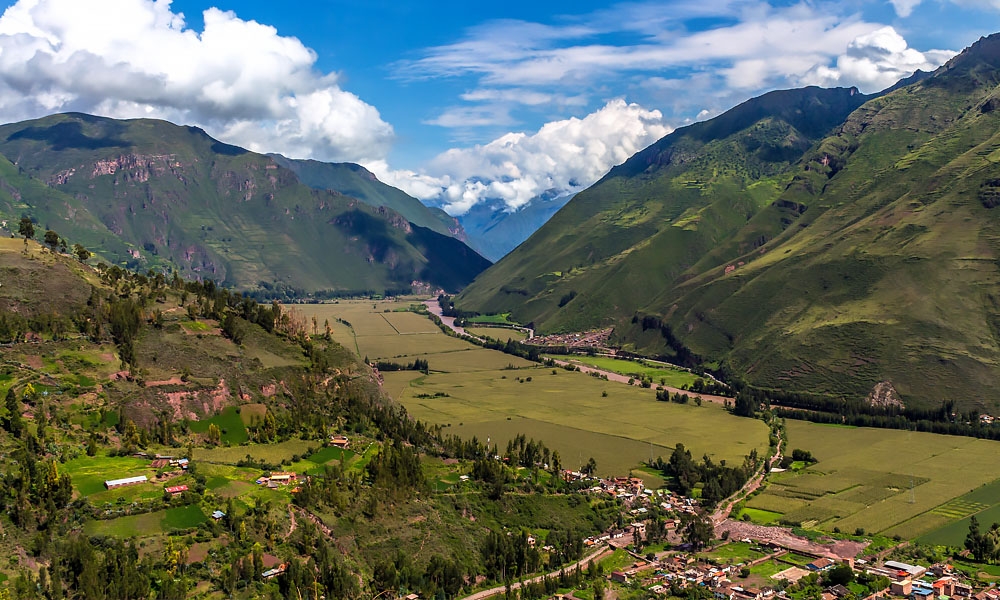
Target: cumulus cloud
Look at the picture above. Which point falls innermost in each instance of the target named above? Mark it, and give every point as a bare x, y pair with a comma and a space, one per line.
238, 79
563, 156
875, 61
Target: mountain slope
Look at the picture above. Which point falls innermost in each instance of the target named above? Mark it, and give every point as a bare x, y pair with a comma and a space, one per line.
877, 260
174, 197
358, 182
631, 234
494, 231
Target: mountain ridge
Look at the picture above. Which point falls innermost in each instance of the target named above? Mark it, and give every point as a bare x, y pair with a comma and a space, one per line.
158, 194
870, 258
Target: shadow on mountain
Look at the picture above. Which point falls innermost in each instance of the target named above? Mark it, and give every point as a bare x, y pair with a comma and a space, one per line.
64, 136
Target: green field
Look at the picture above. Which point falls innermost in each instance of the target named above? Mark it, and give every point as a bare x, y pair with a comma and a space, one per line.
485, 393
498, 333
672, 377
733, 553
230, 423
271, 453
149, 524
886, 481
570, 412
90, 472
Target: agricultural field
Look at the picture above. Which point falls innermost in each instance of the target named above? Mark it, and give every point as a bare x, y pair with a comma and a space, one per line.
498, 333
890, 482
579, 415
485, 393
673, 377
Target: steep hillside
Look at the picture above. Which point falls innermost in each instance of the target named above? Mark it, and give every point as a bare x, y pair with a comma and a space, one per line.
874, 260
630, 235
494, 231
149, 193
358, 182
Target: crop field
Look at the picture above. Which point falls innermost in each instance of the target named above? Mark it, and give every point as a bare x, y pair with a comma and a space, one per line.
567, 410
229, 422
271, 453
498, 333
90, 472
485, 393
911, 483
149, 524
670, 376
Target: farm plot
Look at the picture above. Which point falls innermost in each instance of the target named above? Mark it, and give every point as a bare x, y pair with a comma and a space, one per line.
560, 406
673, 377
907, 486
498, 333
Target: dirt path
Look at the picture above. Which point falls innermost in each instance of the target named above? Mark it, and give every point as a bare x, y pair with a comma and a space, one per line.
595, 556
721, 514
291, 527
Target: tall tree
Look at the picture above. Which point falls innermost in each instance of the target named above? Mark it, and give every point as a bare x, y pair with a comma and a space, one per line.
26, 229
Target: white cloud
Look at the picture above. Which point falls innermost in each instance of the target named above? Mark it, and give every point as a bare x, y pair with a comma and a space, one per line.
875, 61
904, 8
238, 79
564, 156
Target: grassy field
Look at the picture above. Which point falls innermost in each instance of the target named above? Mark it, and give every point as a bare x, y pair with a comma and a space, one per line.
229, 422
149, 524
571, 412
886, 481
90, 472
485, 393
271, 453
498, 333
660, 373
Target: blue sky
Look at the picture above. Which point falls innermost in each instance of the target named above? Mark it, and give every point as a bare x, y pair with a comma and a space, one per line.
458, 102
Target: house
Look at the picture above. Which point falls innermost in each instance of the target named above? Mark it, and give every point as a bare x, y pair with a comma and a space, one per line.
914, 571
820, 564
272, 573
901, 588
944, 586
283, 477
218, 515
619, 577
117, 483
339, 441
839, 591
175, 490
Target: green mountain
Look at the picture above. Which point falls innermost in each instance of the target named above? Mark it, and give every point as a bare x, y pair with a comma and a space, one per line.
358, 182
804, 240
149, 193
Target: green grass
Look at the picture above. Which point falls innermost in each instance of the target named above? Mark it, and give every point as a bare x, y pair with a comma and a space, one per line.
500, 318
767, 568
733, 553
183, 517
672, 377
90, 472
571, 413
757, 515
230, 423
498, 333
863, 480
271, 453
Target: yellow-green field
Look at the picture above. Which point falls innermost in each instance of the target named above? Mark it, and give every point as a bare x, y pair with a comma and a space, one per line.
485, 393
880, 480
498, 333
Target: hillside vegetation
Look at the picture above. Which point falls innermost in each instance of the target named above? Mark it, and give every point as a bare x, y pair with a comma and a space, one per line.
147, 193
808, 240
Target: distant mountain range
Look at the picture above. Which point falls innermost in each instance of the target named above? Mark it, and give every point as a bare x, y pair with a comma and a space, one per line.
149, 193
494, 230
809, 240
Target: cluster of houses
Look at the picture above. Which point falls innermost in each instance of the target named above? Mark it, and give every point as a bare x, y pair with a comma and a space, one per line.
278, 479
913, 582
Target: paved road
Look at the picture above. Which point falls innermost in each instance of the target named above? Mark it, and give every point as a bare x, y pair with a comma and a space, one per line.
596, 555
435, 308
